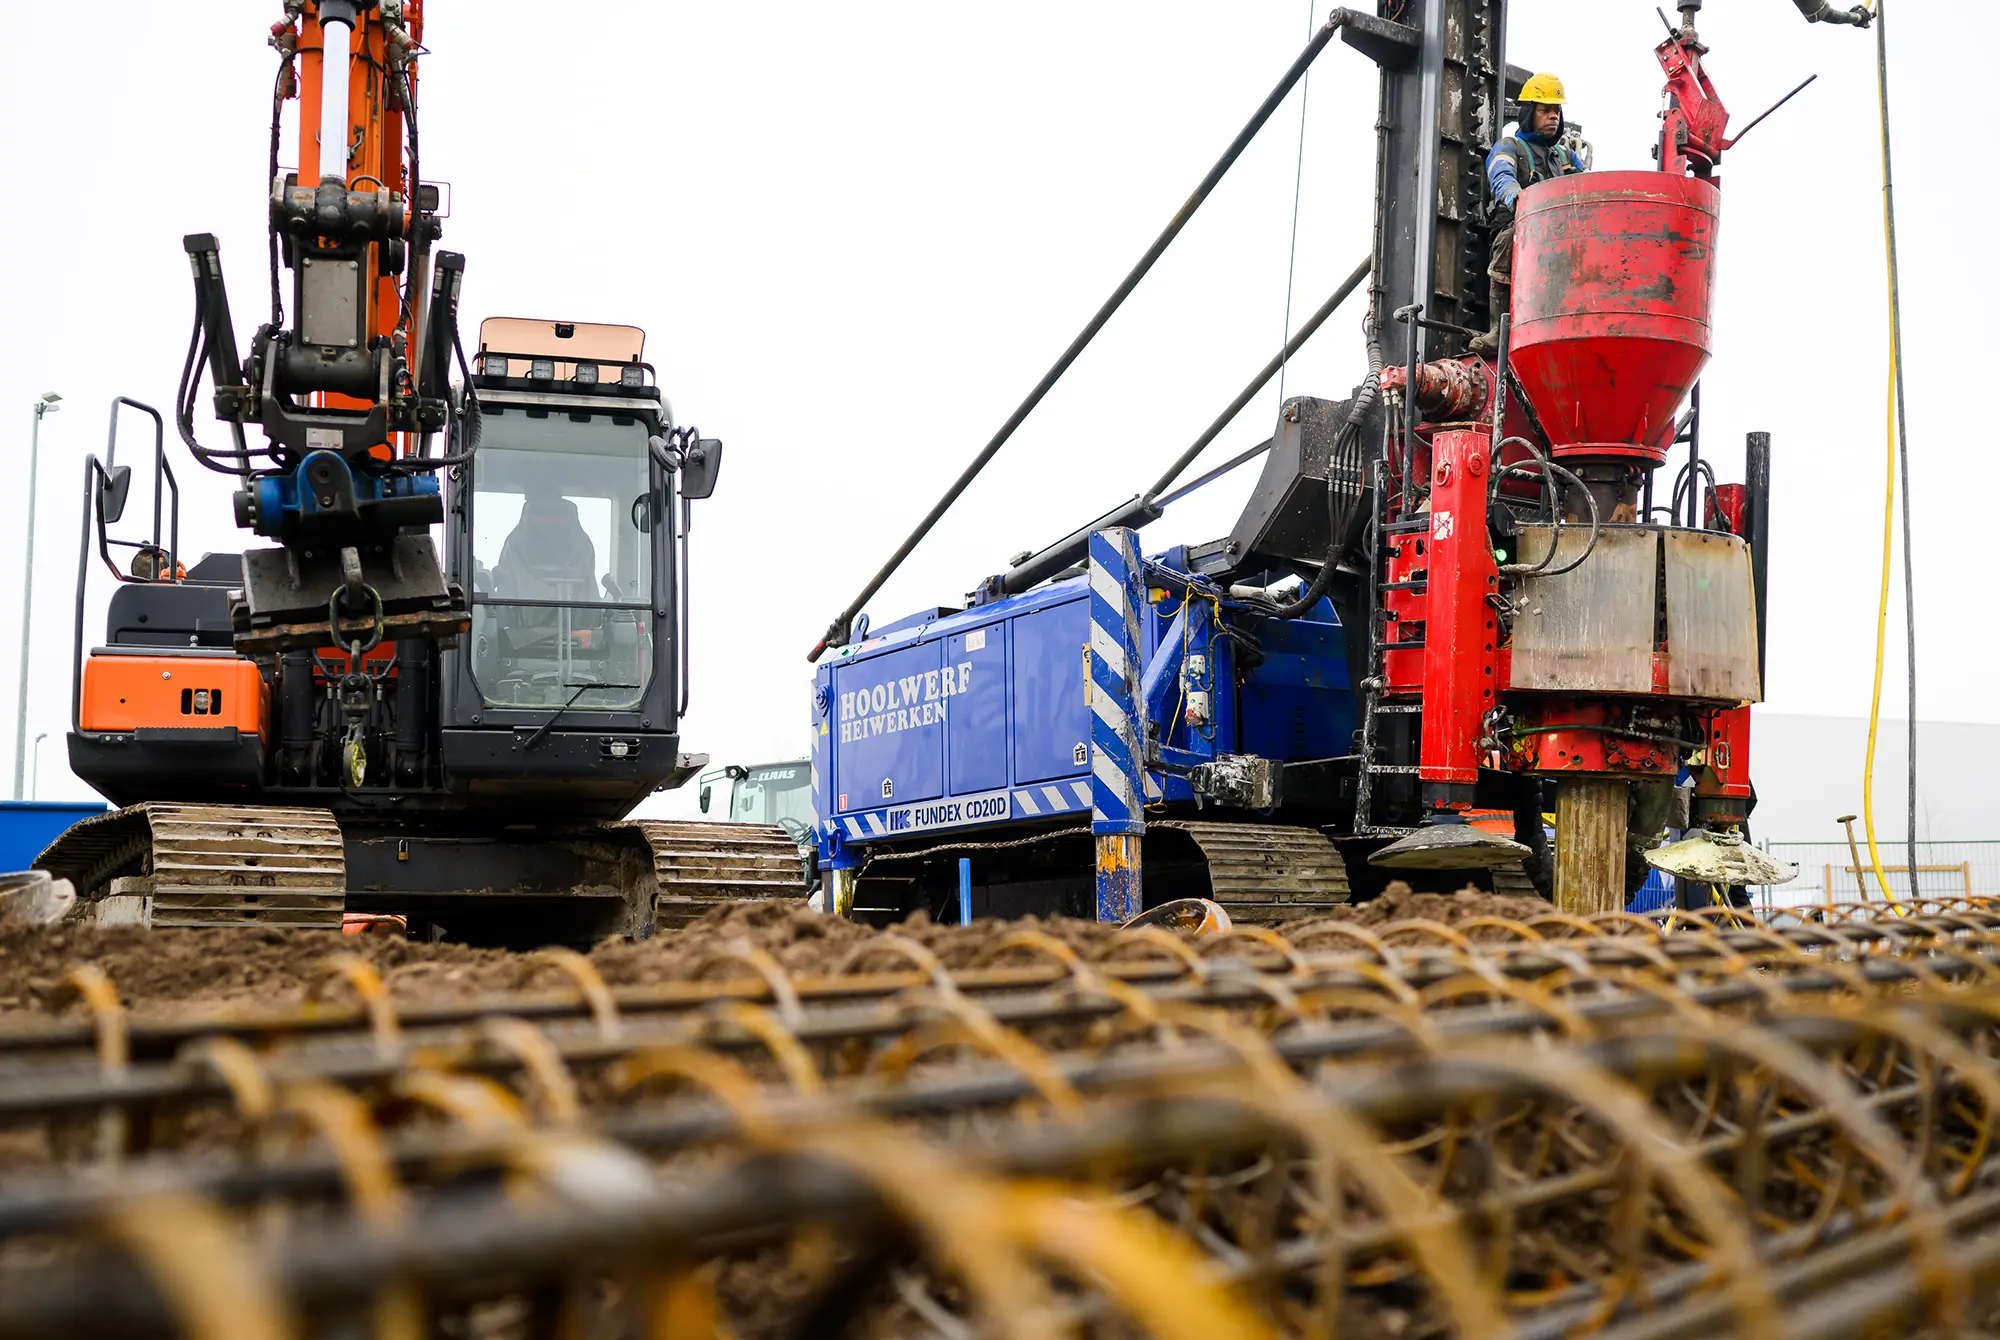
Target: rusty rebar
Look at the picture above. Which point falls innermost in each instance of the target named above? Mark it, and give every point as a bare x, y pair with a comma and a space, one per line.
1601, 1124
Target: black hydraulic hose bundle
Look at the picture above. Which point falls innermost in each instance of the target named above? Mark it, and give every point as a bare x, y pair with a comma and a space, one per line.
1316, 589
184, 404
183, 392
468, 411
1550, 469
1686, 482
475, 420
414, 288
838, 629
1343, 462
278, 94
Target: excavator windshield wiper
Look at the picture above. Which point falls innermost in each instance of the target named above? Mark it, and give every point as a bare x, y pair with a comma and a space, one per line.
541, 731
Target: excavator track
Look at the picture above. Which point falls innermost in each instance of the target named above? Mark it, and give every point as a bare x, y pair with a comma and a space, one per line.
1268, 873
222, 865
701, 866
210, 865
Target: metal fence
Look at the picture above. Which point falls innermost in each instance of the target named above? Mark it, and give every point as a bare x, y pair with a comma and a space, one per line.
1827, 871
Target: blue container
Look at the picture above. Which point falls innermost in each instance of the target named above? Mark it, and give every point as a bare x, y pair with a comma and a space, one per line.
27, 827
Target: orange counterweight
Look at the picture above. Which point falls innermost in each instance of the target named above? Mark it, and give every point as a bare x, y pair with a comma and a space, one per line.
125, 693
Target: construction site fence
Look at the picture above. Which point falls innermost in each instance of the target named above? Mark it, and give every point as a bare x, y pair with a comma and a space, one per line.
1827, 872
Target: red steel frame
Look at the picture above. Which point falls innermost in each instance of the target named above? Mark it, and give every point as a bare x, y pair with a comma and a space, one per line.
1441, 584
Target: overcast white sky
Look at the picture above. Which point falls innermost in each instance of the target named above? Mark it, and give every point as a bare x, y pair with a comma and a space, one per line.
857, 234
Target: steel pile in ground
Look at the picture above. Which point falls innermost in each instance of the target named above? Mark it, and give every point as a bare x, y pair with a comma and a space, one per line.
1552, 1127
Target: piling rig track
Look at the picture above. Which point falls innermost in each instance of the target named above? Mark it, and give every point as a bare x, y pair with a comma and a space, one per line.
1266, 874
1543, 1128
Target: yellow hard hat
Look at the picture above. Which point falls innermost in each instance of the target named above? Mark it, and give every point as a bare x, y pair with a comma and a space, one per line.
1544, 88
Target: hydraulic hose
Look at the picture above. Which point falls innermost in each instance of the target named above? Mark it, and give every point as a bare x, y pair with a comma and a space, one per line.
1686, 482
271, 176
468, 439
1548, 477
416, 286
1821, 11
1542, 569
184, 404
1323, 579
1345, 451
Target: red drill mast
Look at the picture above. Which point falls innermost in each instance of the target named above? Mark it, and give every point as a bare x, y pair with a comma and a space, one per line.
1543, 614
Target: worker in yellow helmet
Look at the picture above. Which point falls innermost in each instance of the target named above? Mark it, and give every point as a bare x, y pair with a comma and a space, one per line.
1533, 153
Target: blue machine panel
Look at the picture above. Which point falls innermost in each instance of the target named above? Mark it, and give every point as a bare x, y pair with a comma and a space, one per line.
889, 715
1297, 703
977, 659
1051, 726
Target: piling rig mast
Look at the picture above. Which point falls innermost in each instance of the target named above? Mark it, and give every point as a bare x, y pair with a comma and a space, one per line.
1526, 610
1563, 630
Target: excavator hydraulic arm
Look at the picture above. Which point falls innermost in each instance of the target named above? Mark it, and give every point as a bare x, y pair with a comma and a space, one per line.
349, 393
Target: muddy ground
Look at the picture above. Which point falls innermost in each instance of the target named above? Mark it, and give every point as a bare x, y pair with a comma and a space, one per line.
161, 973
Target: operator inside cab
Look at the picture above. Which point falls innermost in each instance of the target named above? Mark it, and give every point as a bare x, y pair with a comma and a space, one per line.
548, 555
1533, 153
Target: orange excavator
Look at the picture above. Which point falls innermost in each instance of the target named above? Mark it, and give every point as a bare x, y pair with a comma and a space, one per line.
352, 722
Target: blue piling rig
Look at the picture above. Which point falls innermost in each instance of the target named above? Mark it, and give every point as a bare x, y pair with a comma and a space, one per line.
1238, 710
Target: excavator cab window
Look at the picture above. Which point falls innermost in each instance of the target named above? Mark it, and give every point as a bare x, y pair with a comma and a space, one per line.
563, 576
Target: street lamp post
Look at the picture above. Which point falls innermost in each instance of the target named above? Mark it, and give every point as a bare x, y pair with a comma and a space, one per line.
45, 405
35, 777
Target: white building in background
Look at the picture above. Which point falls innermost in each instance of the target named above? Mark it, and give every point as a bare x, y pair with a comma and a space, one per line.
1808, 773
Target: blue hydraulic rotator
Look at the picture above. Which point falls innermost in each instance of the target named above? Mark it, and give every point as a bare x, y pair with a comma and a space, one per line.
324, 497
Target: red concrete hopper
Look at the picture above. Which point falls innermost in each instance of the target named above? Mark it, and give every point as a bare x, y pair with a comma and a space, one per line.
1613, 273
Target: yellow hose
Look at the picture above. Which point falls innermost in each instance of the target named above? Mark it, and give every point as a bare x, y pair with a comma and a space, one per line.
1888, 509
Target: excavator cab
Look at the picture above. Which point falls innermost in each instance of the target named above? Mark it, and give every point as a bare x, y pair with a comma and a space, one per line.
473, 784
565, 523
567, 526
560, 519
